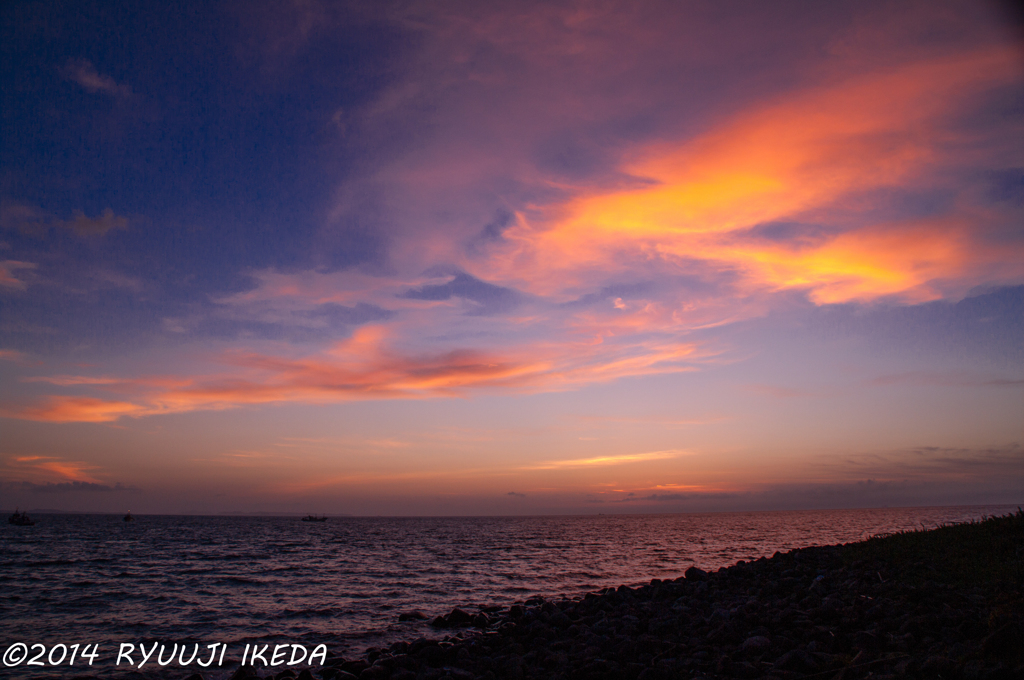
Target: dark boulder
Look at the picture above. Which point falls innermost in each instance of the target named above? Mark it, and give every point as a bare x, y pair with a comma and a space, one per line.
243, 672
412, 616
695, 574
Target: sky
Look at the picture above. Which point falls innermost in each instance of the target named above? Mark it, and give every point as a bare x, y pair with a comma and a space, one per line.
462, 258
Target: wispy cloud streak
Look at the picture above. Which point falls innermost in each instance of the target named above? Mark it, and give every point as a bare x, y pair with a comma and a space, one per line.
361, 367
600, 461
83, 72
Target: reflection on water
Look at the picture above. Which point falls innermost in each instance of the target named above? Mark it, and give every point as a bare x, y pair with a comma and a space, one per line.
97, 579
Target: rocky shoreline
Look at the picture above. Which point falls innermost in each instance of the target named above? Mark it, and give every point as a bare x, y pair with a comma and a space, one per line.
945, 603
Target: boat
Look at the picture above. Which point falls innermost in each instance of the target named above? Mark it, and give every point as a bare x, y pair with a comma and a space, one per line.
20, 519
128, 517
314, 518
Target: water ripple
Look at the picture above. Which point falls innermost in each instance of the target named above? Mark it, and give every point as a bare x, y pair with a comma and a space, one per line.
95, 579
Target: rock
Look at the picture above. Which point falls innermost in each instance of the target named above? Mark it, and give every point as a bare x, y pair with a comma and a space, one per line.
796, 660
695, 574
1007, 642
757, 644
375, 672
354, 667
431, 654
402, 674
460, 674
973, 669
720, 616
244, 672
937, 666
412, 616
457, 617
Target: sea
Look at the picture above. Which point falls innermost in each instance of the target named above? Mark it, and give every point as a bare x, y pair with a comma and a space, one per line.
98, 580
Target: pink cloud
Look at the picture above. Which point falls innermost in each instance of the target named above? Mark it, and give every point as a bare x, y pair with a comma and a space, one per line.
65, 409
362, 368
52, 468
8, 278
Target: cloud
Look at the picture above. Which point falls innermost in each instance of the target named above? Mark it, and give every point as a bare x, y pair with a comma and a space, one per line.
780, 392
298, 307
553, 197
652, 420
883, 111
932, 463
359, 368
37, 222
67, 409
97, 226
25, 218
494, 229
50, 466
591, 189
675, 497
349, 316
77, 471
490, 299
83, 72
299, 322
66, 380
944, 379
67, 487
600, 461
738, 197
924, 475
8, 279
13, 355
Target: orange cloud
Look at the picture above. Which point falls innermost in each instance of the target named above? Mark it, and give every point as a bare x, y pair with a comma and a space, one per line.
600, 461
65, 409
803, 154
363, 367
73, 471
67, 380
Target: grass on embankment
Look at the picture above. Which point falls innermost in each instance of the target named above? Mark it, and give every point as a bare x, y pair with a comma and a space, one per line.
987, 553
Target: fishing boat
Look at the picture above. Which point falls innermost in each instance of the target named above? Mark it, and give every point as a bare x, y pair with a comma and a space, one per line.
20, 519
128, 517
314, 518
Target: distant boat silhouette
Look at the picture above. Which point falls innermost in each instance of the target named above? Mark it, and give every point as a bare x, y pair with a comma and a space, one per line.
128, 517
314, 518
20, 519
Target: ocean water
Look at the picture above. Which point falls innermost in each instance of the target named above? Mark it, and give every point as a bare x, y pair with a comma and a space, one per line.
94, 579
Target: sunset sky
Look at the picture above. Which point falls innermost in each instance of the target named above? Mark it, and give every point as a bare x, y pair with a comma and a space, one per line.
398, 258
